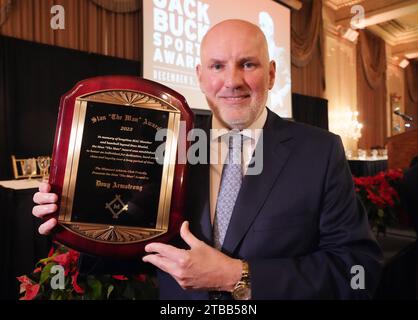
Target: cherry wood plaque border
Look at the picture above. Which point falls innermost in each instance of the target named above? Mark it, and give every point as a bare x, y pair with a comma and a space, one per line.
166, 96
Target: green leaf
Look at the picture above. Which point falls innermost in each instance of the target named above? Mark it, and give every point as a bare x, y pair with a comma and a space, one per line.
96, 287
56, 295
46, 273
48, 259
110, 290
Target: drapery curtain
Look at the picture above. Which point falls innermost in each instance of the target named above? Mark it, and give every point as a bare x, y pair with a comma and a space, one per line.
372, 58
88, 26
122, 6
7, 77
5, 8
308, 73
411, 92
371, 89
411, 80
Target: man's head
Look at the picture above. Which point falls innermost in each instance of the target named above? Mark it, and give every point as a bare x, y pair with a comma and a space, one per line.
235, 72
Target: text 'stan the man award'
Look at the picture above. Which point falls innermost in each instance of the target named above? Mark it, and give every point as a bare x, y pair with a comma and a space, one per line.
119, 182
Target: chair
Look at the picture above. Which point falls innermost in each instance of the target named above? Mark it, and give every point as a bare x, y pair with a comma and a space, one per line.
25, 168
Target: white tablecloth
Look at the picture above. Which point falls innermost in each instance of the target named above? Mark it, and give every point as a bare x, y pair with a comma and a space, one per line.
368, 158
20, 184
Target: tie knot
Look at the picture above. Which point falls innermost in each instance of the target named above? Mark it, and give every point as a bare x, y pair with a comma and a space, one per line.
235, 147
235, 140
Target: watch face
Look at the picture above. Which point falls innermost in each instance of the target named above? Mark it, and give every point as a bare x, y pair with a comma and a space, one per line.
242, 292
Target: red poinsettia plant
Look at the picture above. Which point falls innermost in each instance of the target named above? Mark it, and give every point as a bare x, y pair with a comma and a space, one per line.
38, 285
380, 196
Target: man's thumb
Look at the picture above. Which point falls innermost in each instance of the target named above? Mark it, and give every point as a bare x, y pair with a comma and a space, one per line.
187, 236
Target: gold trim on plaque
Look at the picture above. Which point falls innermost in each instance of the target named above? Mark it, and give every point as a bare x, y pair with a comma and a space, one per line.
115, 233
130, 98
171, 164
76, 157
165, 193
66, 203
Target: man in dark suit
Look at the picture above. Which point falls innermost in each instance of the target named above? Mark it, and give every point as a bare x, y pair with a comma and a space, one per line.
293, 230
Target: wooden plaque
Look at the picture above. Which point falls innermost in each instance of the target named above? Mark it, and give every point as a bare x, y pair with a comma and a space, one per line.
115, 167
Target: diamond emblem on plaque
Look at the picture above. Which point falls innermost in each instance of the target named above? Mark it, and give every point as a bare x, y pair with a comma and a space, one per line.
116, 207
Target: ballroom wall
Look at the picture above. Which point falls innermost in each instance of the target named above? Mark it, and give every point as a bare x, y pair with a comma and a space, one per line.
308, 74
341, 92
345, 76
411, 91
323, 63
395, 86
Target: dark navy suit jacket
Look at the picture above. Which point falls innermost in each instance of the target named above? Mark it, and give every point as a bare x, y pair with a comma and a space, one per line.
299, 223
409, 187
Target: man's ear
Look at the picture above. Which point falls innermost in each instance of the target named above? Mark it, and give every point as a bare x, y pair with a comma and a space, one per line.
272, 73
199, 75
198, 71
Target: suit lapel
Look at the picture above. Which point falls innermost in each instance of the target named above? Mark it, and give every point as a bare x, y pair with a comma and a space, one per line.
204, 229
256, 188
200, 223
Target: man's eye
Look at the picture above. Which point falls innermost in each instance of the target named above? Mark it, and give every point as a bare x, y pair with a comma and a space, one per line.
248, 65
216, 66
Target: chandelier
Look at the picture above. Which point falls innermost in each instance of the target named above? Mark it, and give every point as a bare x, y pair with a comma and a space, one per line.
350, 127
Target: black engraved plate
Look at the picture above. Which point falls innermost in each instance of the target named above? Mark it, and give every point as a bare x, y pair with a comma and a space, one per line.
119, 179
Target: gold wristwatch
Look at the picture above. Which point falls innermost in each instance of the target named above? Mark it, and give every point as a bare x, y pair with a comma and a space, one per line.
242, 290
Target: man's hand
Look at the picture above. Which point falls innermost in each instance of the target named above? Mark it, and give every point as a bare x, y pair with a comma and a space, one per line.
46, 206
201, 267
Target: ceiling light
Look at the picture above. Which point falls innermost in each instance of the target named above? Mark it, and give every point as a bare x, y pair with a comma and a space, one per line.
404, 63
412, 55
350, 35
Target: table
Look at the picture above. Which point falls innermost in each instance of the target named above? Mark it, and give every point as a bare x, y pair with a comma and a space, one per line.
20, 184
20, 244
368, 167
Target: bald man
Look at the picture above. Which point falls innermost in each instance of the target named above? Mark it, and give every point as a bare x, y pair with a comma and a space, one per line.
294, 230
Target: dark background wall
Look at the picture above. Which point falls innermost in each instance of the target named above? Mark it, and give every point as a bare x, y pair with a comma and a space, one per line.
33, 77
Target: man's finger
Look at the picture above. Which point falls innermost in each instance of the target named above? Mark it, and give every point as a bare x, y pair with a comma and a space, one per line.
187, 236
43, 210
165, 250
46, 227
44, 198
44, 187
160, 262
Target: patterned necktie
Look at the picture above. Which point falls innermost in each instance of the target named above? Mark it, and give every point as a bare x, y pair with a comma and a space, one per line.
228, 191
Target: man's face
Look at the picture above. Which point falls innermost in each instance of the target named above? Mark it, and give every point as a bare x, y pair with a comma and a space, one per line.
235, 73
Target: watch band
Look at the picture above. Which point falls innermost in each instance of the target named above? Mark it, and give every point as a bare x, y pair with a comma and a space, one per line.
242, 289
245, 274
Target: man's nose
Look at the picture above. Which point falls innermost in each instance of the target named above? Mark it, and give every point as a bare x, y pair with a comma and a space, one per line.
233, 78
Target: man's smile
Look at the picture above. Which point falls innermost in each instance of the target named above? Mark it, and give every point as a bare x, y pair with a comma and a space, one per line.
235, 99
